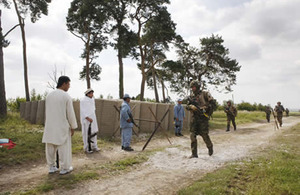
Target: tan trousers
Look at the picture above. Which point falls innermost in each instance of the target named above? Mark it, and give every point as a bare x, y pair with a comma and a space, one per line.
64, 153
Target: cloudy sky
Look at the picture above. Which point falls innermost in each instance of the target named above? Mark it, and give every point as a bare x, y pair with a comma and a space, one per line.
262, 35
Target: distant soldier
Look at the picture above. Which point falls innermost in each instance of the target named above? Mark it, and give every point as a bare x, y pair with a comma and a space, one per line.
279, 109
268, 112
287, 111
231, 113
126, 123
200, 103
179, 115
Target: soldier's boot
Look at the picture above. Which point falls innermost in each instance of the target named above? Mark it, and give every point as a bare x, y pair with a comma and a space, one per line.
210, 150
193, 156
234, 127
228, 128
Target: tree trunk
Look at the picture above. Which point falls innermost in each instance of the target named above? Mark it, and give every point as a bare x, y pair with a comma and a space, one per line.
87, 61
143, 74
154, 85
143, 86
3, 106
22, 27
142, 53
121, 75
154, 76
163, 90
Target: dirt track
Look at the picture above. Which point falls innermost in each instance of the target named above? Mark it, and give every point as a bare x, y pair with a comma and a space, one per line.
166, 171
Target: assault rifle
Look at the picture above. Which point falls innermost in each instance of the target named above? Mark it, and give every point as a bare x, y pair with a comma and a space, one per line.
132, 120
227, 110
200, 110
275, 119
90, 136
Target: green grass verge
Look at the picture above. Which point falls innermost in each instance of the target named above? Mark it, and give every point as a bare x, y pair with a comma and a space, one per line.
219, 119
28, 139
275, 171
294, 114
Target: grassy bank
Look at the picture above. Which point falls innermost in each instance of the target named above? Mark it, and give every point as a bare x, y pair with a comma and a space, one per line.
219, 119
28, 139
274, 171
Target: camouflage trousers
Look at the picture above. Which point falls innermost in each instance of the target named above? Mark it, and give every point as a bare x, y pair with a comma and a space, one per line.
199, 126
231, 118
268, 117
279, 118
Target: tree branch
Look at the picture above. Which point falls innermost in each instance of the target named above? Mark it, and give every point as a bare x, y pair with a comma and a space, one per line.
11, 30
78, 36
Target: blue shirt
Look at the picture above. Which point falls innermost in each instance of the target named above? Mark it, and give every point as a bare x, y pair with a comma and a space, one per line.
179, 112
124, 116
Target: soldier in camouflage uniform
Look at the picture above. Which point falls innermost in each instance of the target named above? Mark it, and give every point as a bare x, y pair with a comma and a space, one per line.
279, 109
199, 104
268, 112
231, 113
287, 111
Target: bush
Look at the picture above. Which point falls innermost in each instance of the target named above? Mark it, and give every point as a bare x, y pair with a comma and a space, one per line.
251, 107
13, 105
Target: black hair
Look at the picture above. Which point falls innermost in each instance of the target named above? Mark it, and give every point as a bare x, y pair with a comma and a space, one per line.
62, 80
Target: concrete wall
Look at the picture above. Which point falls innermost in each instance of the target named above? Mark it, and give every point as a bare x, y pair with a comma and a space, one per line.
108, 118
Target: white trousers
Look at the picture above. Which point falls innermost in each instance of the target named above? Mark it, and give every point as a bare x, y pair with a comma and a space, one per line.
84, 128
64, 153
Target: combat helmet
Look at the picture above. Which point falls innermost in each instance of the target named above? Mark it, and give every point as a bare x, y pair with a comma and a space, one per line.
195, 83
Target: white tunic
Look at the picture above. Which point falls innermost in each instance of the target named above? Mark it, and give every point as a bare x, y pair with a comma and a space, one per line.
88, 109
60, 117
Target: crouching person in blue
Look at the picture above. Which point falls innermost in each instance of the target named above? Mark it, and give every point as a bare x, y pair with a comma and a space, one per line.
126, 124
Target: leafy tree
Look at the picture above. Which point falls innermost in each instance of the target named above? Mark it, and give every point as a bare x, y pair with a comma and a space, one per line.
210, 64
87, 20
22, 7
95, 71
245, 106
155, 31
126, 39
154, 74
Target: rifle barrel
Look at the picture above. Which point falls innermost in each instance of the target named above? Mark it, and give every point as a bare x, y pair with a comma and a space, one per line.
147, 120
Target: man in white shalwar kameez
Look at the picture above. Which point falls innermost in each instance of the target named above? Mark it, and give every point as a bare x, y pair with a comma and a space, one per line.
87, 117
59, 127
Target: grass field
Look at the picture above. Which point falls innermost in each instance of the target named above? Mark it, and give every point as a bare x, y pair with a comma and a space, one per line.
28, 138
274, 171
219, 119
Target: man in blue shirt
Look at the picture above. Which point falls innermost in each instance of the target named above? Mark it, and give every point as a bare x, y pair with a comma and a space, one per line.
126, 124
179, 115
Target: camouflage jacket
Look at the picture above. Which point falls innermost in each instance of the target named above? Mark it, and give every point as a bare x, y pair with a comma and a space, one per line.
202, 100
279, 109
231, 110
268, 110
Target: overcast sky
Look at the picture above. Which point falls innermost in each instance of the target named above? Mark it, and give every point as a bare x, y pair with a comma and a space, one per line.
262, 35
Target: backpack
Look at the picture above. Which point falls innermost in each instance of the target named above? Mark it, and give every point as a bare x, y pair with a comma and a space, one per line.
212, 107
